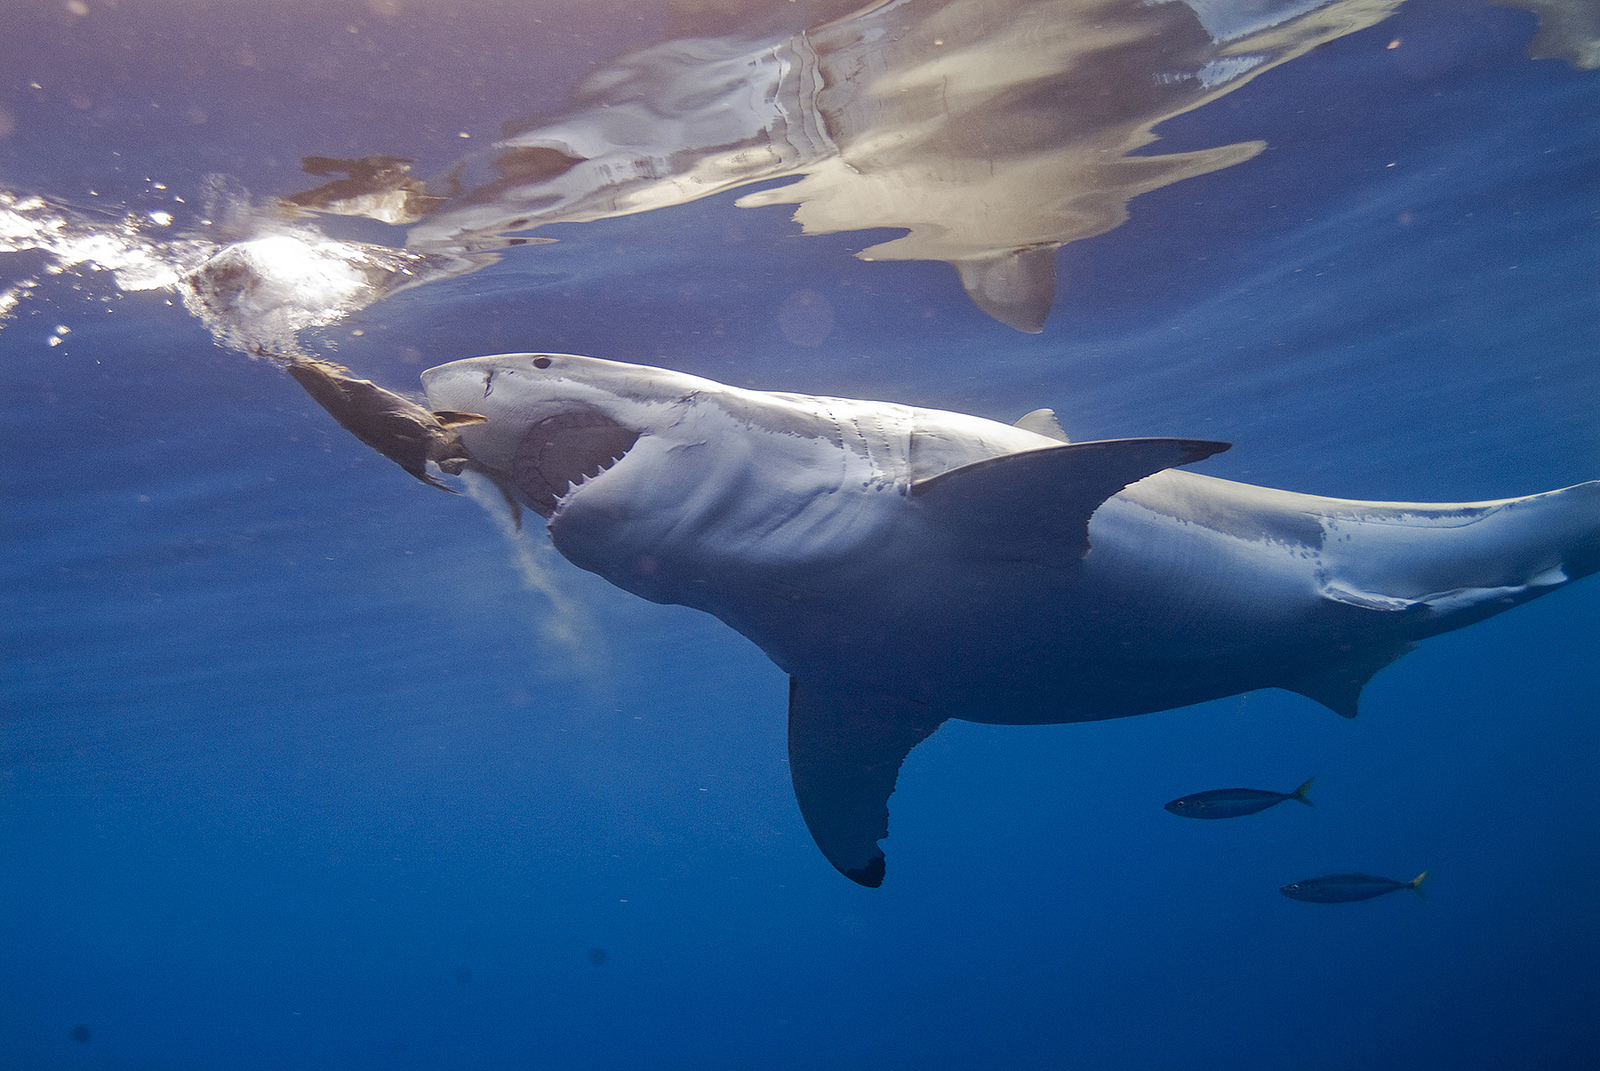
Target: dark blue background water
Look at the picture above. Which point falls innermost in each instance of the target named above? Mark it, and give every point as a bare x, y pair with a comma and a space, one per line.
295, 773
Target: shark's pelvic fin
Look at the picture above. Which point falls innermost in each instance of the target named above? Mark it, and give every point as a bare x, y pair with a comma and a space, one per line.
1339, 688
1035, 506
845, 752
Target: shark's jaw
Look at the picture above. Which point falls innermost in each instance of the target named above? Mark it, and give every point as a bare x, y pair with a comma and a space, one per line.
562, 452
552, 425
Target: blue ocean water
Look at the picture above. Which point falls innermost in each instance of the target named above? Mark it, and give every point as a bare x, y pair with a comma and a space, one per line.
304, 764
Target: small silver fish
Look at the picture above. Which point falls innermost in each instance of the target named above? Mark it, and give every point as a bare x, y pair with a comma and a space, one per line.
1343, 888
1233, 802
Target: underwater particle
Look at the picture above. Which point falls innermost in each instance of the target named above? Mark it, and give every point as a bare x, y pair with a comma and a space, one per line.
598, 956
81, 1034
1235, 802
1346, 888
806, 318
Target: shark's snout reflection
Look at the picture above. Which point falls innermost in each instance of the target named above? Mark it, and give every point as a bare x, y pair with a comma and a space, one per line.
992, 131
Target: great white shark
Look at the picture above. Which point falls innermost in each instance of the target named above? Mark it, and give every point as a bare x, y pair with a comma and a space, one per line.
906, 566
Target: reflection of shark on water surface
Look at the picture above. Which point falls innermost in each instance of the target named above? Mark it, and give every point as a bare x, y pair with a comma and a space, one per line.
907, 566
992, 131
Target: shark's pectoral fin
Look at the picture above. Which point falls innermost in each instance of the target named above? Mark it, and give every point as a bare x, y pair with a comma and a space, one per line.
1035, 505
845, 752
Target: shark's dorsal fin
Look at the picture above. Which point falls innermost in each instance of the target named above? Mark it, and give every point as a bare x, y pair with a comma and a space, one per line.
845, 751
1035, 505
1042, 422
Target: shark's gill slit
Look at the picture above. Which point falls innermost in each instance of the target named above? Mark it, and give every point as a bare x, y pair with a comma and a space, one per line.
564, 450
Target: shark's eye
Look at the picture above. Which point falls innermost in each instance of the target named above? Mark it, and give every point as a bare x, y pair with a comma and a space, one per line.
541, 362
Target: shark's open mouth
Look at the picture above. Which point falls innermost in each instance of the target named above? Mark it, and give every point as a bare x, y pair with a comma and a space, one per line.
561, 451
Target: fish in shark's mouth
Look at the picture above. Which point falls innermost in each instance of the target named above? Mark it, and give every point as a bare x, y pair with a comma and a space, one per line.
562, 451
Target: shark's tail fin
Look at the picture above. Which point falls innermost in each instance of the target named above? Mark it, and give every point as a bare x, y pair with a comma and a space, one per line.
1300, 793
1415, 884
1435, 567
1458, 563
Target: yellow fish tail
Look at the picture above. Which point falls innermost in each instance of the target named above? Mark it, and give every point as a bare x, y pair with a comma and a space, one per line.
1300, 793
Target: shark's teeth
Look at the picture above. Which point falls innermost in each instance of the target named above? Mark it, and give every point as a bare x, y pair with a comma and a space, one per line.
561, 453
